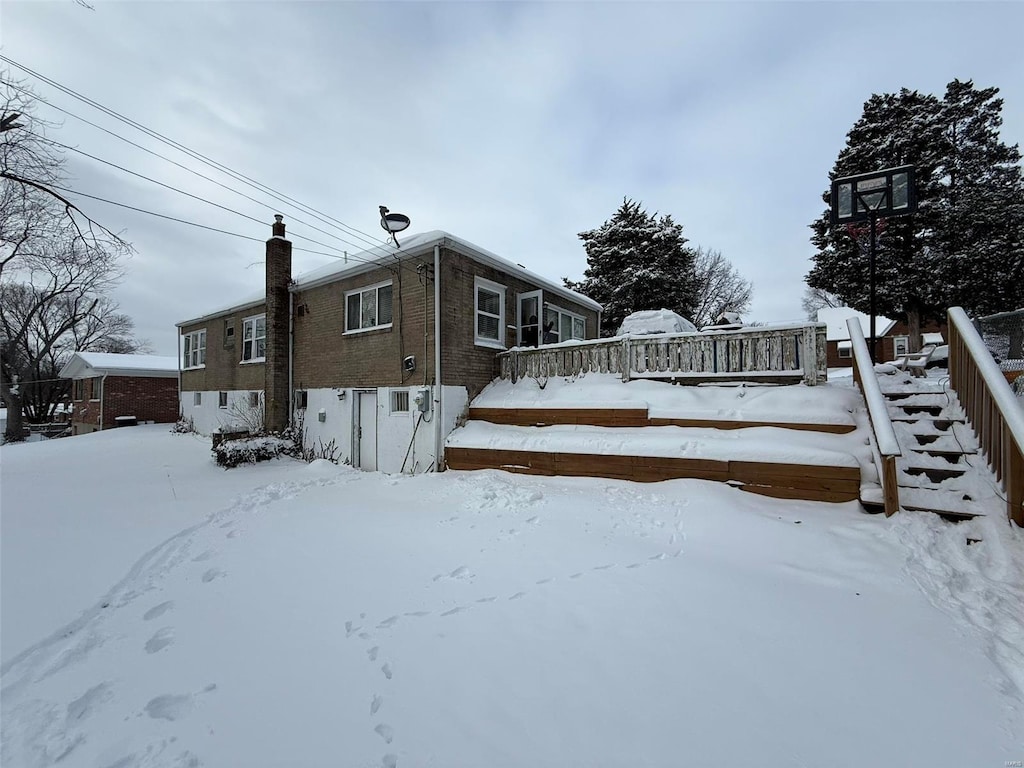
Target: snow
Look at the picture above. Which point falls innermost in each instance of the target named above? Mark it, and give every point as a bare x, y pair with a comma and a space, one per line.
835, 323
655, 321
823, 404
165, 612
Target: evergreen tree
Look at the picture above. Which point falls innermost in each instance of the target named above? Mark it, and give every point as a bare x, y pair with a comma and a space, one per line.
964, 244
637, 261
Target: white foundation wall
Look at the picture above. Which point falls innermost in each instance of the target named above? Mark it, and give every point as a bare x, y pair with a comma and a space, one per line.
403, 438
208, 416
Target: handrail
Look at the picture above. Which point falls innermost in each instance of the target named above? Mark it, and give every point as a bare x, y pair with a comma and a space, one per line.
991, 408
878, 413
785, 352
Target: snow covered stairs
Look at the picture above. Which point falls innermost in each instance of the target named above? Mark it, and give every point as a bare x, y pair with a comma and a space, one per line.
939, 470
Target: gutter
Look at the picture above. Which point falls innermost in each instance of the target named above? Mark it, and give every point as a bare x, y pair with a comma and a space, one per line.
439, 400
103, 397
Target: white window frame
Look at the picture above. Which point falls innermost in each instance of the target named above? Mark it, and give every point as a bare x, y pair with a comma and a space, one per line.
249, 346
898, 341
559, 312
359, 292
845, 353
222, 399
498, 288
193, 348
395, 400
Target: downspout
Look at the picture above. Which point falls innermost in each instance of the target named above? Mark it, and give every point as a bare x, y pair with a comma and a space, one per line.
438, 415
103, 397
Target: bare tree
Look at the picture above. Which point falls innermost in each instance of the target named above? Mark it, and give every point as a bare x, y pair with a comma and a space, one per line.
56, 264
818, 298
720, 287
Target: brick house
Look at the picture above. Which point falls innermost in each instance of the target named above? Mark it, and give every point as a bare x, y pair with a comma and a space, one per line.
893, 335
376, 357
106, 386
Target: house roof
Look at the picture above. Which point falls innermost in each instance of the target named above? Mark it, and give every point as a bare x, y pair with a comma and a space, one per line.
413, 246
85, 365
836, 329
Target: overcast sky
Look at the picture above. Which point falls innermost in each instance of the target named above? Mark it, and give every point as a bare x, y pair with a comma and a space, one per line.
513, 125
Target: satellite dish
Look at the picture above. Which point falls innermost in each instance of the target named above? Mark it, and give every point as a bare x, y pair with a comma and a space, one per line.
393, 222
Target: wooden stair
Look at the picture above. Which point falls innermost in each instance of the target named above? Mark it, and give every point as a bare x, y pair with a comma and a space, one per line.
813, 482
933, 474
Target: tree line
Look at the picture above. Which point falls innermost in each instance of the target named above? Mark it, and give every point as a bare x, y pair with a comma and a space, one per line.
57, 268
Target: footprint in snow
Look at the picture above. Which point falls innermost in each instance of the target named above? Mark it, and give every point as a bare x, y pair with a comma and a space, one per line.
487, 599
87, 703
575, 575
634, 565
659, 556
418, 614
372, 653
170, 706
388, 622
386, 732
233, 534
213, 573
163, 637
548, 580
350, 629
203, 556
456, 609
157, 610
375, 704
389, 761
517, 596
386, 669
603, 567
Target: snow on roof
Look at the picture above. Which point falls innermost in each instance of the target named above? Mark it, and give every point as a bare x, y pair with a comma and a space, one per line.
83, 365
415, 245
835, 321
251, 300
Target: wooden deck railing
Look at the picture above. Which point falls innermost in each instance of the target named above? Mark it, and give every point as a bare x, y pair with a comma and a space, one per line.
881, 425
783, 353
991, 408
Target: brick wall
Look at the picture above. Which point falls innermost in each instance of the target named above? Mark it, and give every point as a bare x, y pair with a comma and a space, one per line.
462, 361
224, 370
327, 356
279, 277
148, 398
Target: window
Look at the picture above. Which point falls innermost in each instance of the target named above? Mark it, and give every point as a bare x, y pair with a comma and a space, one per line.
490, 313
222, 399
197, 399
301, 399
399, 401
254, 399
195, 349
845, 349
368, 308
900, 346
254, 339
560, 325
79, 390
97, 388
229, 333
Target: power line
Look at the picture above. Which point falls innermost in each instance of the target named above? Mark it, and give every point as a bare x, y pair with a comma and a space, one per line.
327, 219
177, 164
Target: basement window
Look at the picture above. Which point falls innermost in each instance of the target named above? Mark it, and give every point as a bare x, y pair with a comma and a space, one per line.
222, 399
399, 401
197, 399
254, 399
845, 349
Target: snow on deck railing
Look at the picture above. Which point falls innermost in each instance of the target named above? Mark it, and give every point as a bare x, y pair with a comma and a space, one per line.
793, 351
991, 407
878, 412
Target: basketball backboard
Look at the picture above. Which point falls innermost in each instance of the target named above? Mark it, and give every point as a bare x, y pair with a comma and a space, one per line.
889, 192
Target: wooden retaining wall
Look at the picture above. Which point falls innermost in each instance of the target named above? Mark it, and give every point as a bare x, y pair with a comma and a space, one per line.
787, 481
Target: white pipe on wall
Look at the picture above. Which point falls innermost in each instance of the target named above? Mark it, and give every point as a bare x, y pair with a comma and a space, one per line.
438, 387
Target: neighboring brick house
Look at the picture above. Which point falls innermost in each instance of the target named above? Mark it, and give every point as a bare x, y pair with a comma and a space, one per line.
893, 335
106, 386
350, 351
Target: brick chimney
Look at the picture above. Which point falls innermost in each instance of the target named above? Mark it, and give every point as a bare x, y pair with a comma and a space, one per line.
279, 276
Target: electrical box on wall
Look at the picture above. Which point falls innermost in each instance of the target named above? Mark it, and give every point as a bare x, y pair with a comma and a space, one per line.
422, 400
321, 415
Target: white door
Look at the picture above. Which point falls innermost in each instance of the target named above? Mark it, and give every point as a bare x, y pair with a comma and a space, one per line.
366, 431
528, 318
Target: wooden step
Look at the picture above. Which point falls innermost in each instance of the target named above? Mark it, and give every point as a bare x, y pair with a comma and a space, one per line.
951, 505
934, 474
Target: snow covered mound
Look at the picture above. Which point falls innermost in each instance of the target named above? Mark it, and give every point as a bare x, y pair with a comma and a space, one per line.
655, 321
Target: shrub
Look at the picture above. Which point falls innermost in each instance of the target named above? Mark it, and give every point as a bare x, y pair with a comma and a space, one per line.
249, 450
184, 426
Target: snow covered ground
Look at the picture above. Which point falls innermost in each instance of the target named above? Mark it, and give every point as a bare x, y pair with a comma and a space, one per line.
160, 611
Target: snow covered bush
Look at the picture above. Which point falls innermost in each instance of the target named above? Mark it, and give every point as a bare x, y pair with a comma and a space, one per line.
184, 426
250, 450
